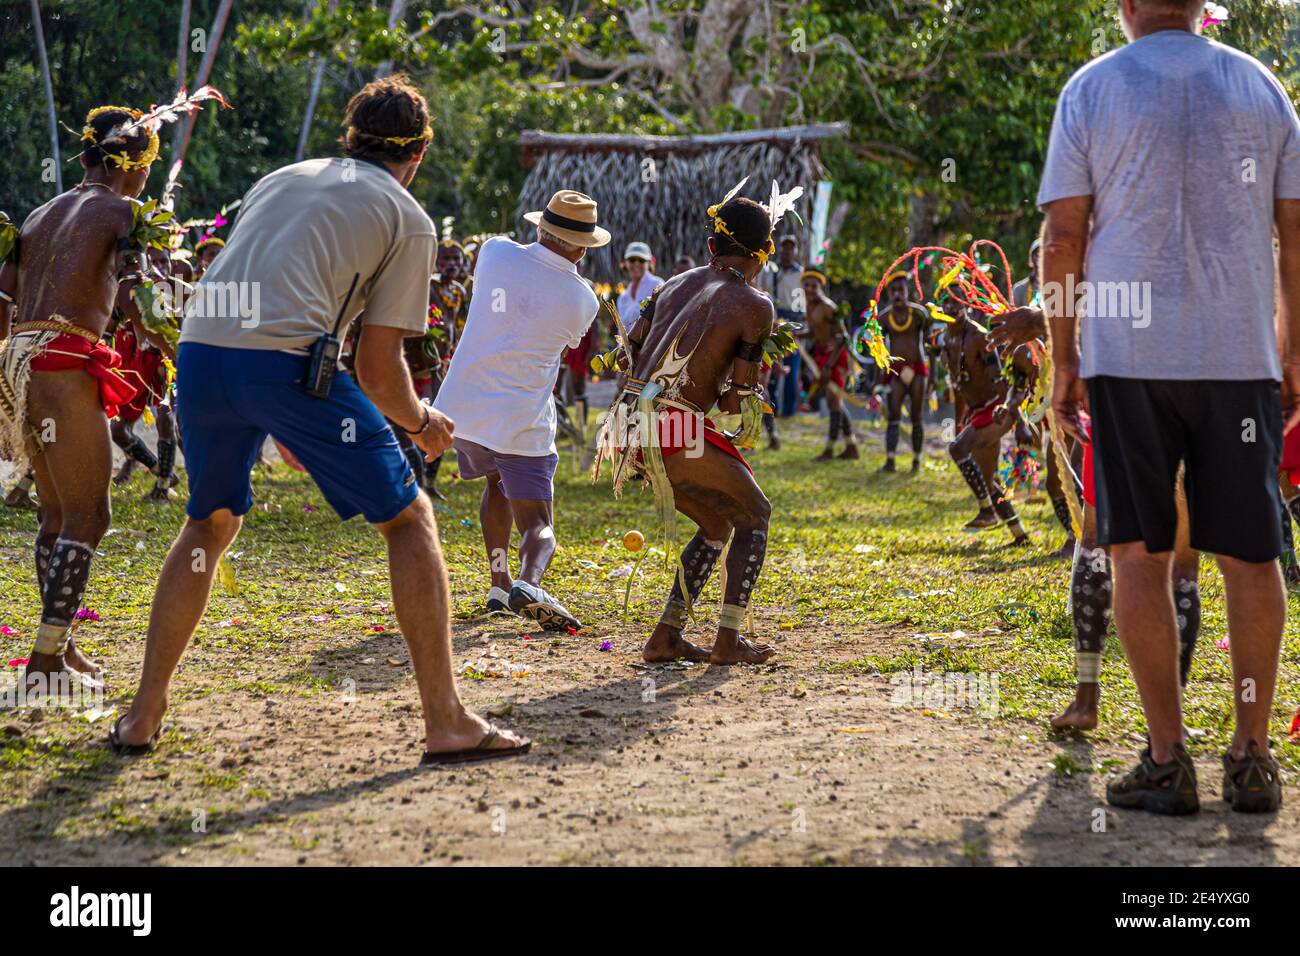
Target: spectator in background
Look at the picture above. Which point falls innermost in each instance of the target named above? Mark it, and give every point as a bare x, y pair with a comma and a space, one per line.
782, 282
641, 281
684, 264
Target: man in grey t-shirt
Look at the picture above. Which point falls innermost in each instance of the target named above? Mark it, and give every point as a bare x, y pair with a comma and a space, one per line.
315, 243
1171, 161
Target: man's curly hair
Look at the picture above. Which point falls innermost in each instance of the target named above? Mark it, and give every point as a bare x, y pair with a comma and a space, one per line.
389, 107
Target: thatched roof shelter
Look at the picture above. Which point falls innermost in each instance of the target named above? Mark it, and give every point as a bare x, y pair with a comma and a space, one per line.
655, 188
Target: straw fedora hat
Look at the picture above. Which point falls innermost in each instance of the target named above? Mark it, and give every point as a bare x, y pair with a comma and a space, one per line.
571, 216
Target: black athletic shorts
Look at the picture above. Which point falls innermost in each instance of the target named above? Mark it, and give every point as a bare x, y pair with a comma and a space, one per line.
1230, 436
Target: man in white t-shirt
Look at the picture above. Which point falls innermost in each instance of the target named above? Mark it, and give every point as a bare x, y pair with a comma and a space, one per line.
529, 305
640, 282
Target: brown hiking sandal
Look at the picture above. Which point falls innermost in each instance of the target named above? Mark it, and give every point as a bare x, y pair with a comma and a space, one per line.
1168, 788
1252, 784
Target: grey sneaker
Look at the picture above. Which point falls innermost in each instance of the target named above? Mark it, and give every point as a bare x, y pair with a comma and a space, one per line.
1168, 788
1252, 784
535, 604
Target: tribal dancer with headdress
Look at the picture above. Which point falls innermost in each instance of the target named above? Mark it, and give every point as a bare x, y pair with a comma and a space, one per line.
148, 362
904, 324
59, 384
208, 248
829, 362
448, 306
992, 393
698, 344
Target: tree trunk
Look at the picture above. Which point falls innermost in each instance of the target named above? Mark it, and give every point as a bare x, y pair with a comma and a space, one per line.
182, 66
923, 217
205, 70
310, 112
396, 13
49, 95
307, 115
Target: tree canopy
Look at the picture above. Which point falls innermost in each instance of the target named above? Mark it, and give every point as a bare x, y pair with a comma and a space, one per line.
949, 101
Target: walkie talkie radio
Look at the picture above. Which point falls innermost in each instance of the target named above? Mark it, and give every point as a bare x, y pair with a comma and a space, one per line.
325, 353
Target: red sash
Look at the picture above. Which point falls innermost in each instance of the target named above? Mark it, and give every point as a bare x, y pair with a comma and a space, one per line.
96, 359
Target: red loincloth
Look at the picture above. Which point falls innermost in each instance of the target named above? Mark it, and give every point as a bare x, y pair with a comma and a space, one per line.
898, 364
143, 368
678, 428
94, 358
982, 416
821, 355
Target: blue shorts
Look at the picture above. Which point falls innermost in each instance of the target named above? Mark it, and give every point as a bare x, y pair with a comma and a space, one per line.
229, 400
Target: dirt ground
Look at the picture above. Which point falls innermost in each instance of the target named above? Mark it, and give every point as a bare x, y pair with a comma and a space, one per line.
789, 763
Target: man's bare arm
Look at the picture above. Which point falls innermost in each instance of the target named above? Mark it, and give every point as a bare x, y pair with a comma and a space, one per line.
381, 372
1287, 216
1065, 246
745, 371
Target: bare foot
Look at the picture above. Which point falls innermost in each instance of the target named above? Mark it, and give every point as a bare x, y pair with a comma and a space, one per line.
1066, 550
731, 648
850, 453
124, 473
159, 494
134, 730
1022, 541
987, 518
48, 676
667, 644
1082, 712
467, 732
888, 465
80, 662
19, 498
826, 455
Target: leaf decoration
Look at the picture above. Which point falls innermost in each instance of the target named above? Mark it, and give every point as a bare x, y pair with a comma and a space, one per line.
8, 237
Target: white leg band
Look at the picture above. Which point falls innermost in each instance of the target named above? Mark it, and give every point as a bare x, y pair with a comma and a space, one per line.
1087, 667
51, 639
732, 617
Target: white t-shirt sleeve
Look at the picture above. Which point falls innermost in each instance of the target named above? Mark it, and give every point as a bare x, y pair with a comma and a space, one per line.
1067, 171
589, 306
399, 295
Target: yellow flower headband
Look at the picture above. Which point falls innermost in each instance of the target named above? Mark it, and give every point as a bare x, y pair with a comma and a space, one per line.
777, 206
397, 140
721, 227
122, 160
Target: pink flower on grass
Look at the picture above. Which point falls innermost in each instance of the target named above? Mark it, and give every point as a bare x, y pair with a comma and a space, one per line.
1222, 644
86, 614
7, 631
18, 662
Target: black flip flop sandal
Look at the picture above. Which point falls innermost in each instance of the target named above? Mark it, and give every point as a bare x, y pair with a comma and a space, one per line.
131, 750
482, 751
